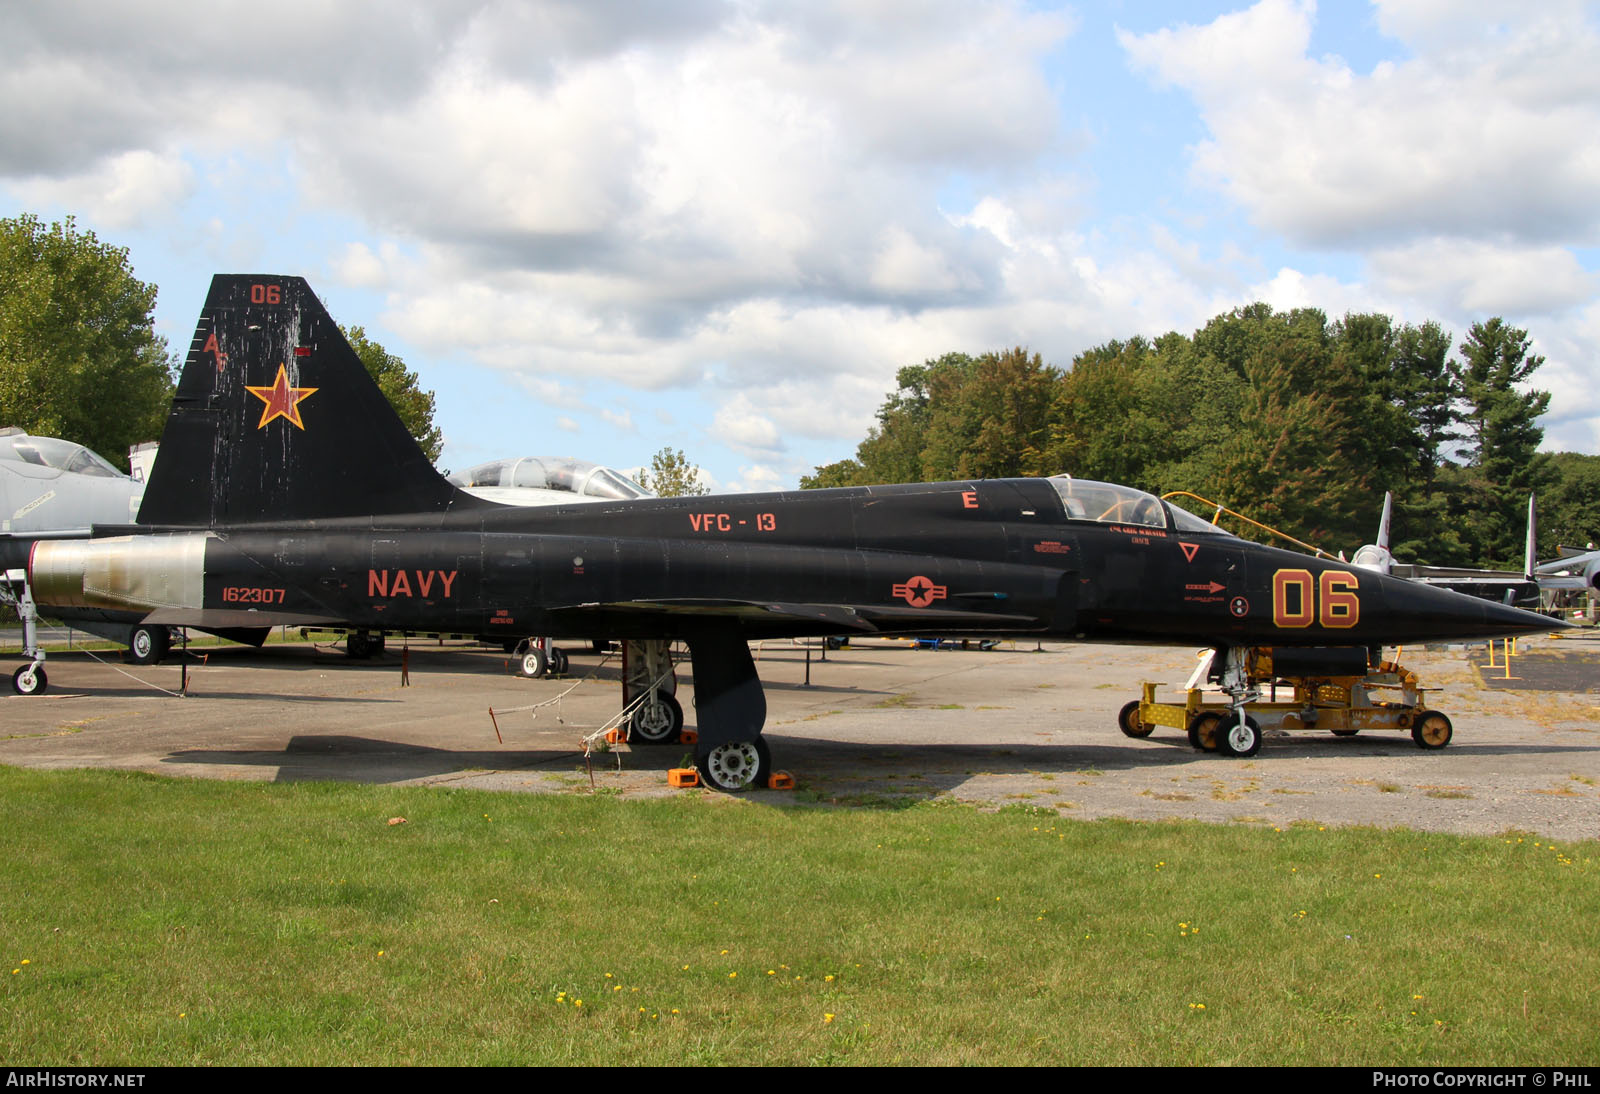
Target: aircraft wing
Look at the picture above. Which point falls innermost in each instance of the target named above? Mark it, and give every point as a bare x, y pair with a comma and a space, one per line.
841, 618
1448, 576
1563, 583
1506, 585
1569, 560
231, 618
1572, 573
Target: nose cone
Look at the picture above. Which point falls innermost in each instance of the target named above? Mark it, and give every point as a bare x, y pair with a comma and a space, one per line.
1423, 613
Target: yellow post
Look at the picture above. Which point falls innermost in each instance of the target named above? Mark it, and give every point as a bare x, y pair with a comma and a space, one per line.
1507, 653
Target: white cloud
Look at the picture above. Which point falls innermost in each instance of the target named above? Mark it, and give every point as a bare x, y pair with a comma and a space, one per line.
551, 392
1567, 342
619, 420
739, 426
1290, 288
1480, 132
121, 191
755, 478
358, 266
1484, 278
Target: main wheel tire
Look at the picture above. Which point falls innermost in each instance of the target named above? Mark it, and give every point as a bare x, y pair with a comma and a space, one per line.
1431, 730
1344, 732
29, 680
1203, 731
558, 660
534, 662
656, 722
148, 645
358, 645
1238, 736
736, 767
1130, 723
376, 644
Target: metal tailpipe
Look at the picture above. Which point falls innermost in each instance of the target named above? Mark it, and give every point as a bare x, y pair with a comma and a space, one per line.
127, 573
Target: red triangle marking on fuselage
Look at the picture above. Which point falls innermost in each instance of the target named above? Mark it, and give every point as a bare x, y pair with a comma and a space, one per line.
1189, 549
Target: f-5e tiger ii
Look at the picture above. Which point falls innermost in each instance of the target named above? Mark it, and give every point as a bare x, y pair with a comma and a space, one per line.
288, 491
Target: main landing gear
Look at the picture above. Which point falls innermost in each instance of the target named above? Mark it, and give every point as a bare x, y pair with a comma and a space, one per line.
536, 656
740, 765
655, 717
730, 707
363, 645
149, 644
1333, 690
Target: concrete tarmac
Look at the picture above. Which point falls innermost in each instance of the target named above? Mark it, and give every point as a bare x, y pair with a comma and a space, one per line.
879, 725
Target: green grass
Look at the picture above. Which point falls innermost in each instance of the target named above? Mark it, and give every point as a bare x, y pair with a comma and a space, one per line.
204, 922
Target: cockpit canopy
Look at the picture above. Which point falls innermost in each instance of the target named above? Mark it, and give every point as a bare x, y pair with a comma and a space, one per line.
579, 477
1109, 503
54, 453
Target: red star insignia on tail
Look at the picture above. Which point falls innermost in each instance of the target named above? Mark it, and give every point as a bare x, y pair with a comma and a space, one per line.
282, 401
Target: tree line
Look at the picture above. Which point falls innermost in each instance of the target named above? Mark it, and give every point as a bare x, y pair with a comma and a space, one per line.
1298, 421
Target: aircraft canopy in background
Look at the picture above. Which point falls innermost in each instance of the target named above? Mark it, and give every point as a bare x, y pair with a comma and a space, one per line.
544, 480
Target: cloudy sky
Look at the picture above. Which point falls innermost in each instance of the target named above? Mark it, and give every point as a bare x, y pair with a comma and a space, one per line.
599, 227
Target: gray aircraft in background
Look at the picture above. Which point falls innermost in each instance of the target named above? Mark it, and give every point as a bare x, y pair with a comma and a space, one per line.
51, 489
1506, 586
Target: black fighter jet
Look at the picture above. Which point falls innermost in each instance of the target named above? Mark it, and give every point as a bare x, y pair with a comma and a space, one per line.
287, 491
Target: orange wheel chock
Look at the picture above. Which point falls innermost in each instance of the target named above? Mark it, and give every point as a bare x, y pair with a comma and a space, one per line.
780, 780
688, 737
682, 778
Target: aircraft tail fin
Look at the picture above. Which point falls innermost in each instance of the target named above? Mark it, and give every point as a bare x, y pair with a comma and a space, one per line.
275, 419
1530, 555
1385, 520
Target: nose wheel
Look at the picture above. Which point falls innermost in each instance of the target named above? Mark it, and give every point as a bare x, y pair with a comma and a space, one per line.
1238, 735
29, 680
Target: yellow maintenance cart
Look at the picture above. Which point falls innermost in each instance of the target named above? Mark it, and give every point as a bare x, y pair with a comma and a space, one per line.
1343, 705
